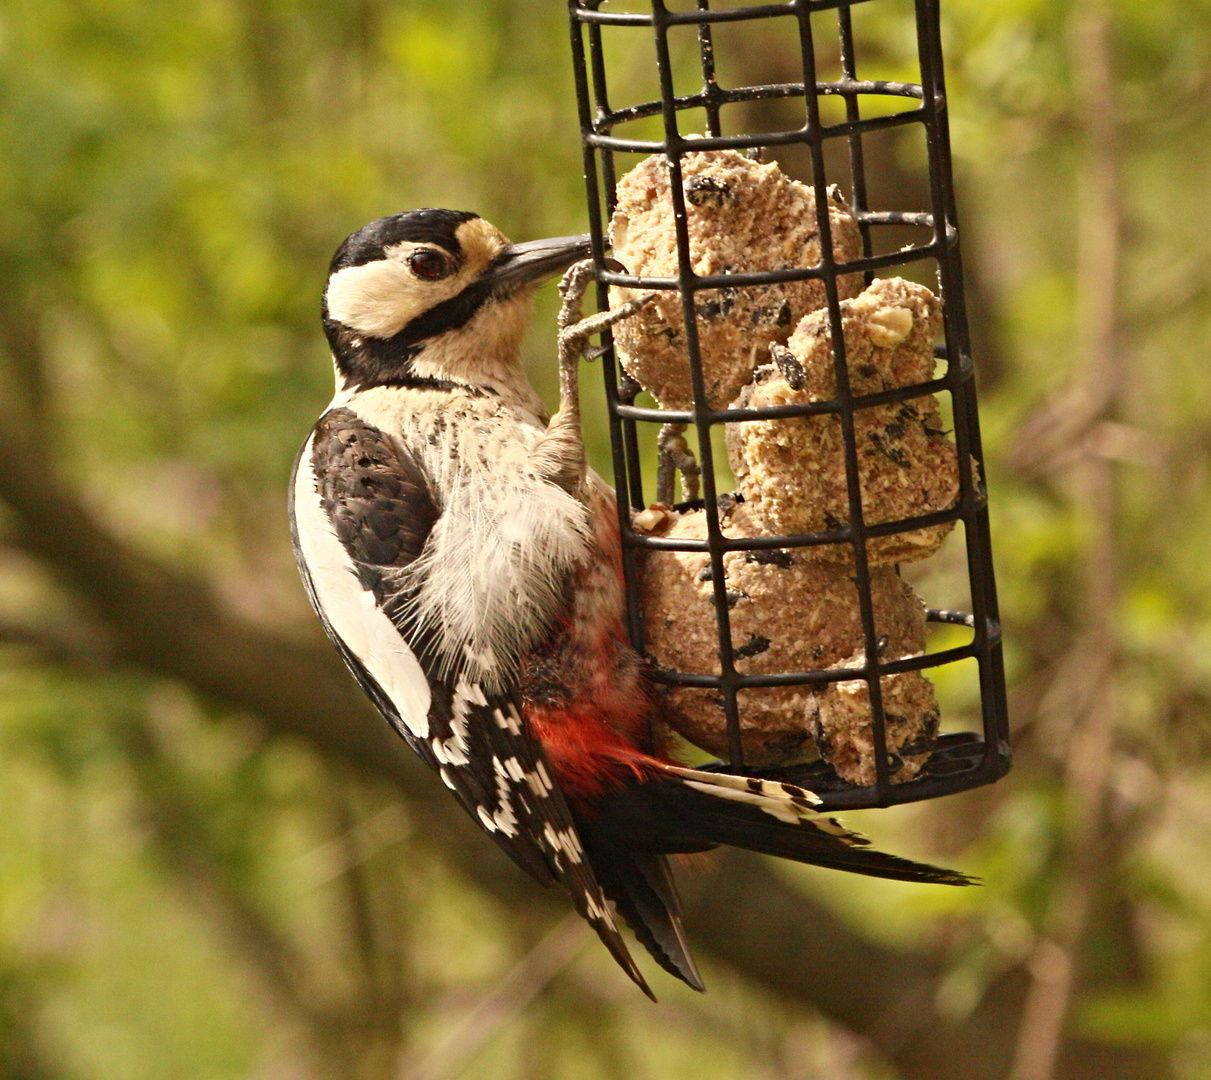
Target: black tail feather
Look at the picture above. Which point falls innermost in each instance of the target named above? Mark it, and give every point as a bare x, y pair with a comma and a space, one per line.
641, 885
814, 840
633, 830
619, 951
691, 811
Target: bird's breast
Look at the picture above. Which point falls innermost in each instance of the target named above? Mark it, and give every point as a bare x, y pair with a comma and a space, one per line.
491, 578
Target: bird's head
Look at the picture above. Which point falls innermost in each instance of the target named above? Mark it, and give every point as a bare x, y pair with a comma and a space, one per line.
435, 295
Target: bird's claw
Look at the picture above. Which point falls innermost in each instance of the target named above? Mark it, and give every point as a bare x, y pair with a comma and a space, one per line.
575, 329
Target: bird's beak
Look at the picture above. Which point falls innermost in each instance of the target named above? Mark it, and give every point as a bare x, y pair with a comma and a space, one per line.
524, 264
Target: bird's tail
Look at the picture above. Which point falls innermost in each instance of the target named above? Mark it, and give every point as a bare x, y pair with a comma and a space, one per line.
776, 819
640, 883
678, 810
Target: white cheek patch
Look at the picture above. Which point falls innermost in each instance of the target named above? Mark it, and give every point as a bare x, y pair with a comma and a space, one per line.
351, 611
380, 298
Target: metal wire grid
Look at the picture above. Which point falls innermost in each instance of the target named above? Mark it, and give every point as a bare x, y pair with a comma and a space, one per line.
960, 761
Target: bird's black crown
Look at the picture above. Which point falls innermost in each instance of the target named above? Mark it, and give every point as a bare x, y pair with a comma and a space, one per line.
426, 226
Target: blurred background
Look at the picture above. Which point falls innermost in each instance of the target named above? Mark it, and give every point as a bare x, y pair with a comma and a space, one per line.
215, 862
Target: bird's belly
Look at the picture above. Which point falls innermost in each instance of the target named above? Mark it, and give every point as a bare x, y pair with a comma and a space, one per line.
491, 577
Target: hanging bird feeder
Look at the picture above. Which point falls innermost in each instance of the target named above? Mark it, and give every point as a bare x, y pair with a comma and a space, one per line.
824, 337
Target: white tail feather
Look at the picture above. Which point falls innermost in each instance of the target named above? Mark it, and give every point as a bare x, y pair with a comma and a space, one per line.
786, 802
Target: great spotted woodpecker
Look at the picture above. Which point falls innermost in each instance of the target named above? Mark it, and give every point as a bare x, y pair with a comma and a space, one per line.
467, 566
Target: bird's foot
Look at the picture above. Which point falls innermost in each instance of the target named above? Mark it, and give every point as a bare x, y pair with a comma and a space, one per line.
575, 329
560, 455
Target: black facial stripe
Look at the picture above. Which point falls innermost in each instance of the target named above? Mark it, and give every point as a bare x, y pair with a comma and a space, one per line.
426, 226
359, 357
366, 362
369, 361
448, 315
408, 381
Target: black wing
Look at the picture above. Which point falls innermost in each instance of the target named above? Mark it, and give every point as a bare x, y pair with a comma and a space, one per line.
361, 510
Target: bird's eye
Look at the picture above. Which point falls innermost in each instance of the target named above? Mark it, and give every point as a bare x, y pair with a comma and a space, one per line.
429, 264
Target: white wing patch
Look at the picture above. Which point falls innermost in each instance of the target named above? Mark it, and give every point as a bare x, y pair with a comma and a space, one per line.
351, 611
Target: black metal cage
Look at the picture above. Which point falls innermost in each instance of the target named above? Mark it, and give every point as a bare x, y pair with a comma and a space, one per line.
835, 143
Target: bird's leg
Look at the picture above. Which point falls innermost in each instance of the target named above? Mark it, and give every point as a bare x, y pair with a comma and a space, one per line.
572, 287
560, 455
675, 455
575, 331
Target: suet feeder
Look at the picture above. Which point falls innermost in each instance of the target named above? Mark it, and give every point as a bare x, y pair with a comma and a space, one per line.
840, 422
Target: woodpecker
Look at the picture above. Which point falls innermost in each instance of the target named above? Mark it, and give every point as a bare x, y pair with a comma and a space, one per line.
467, 566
